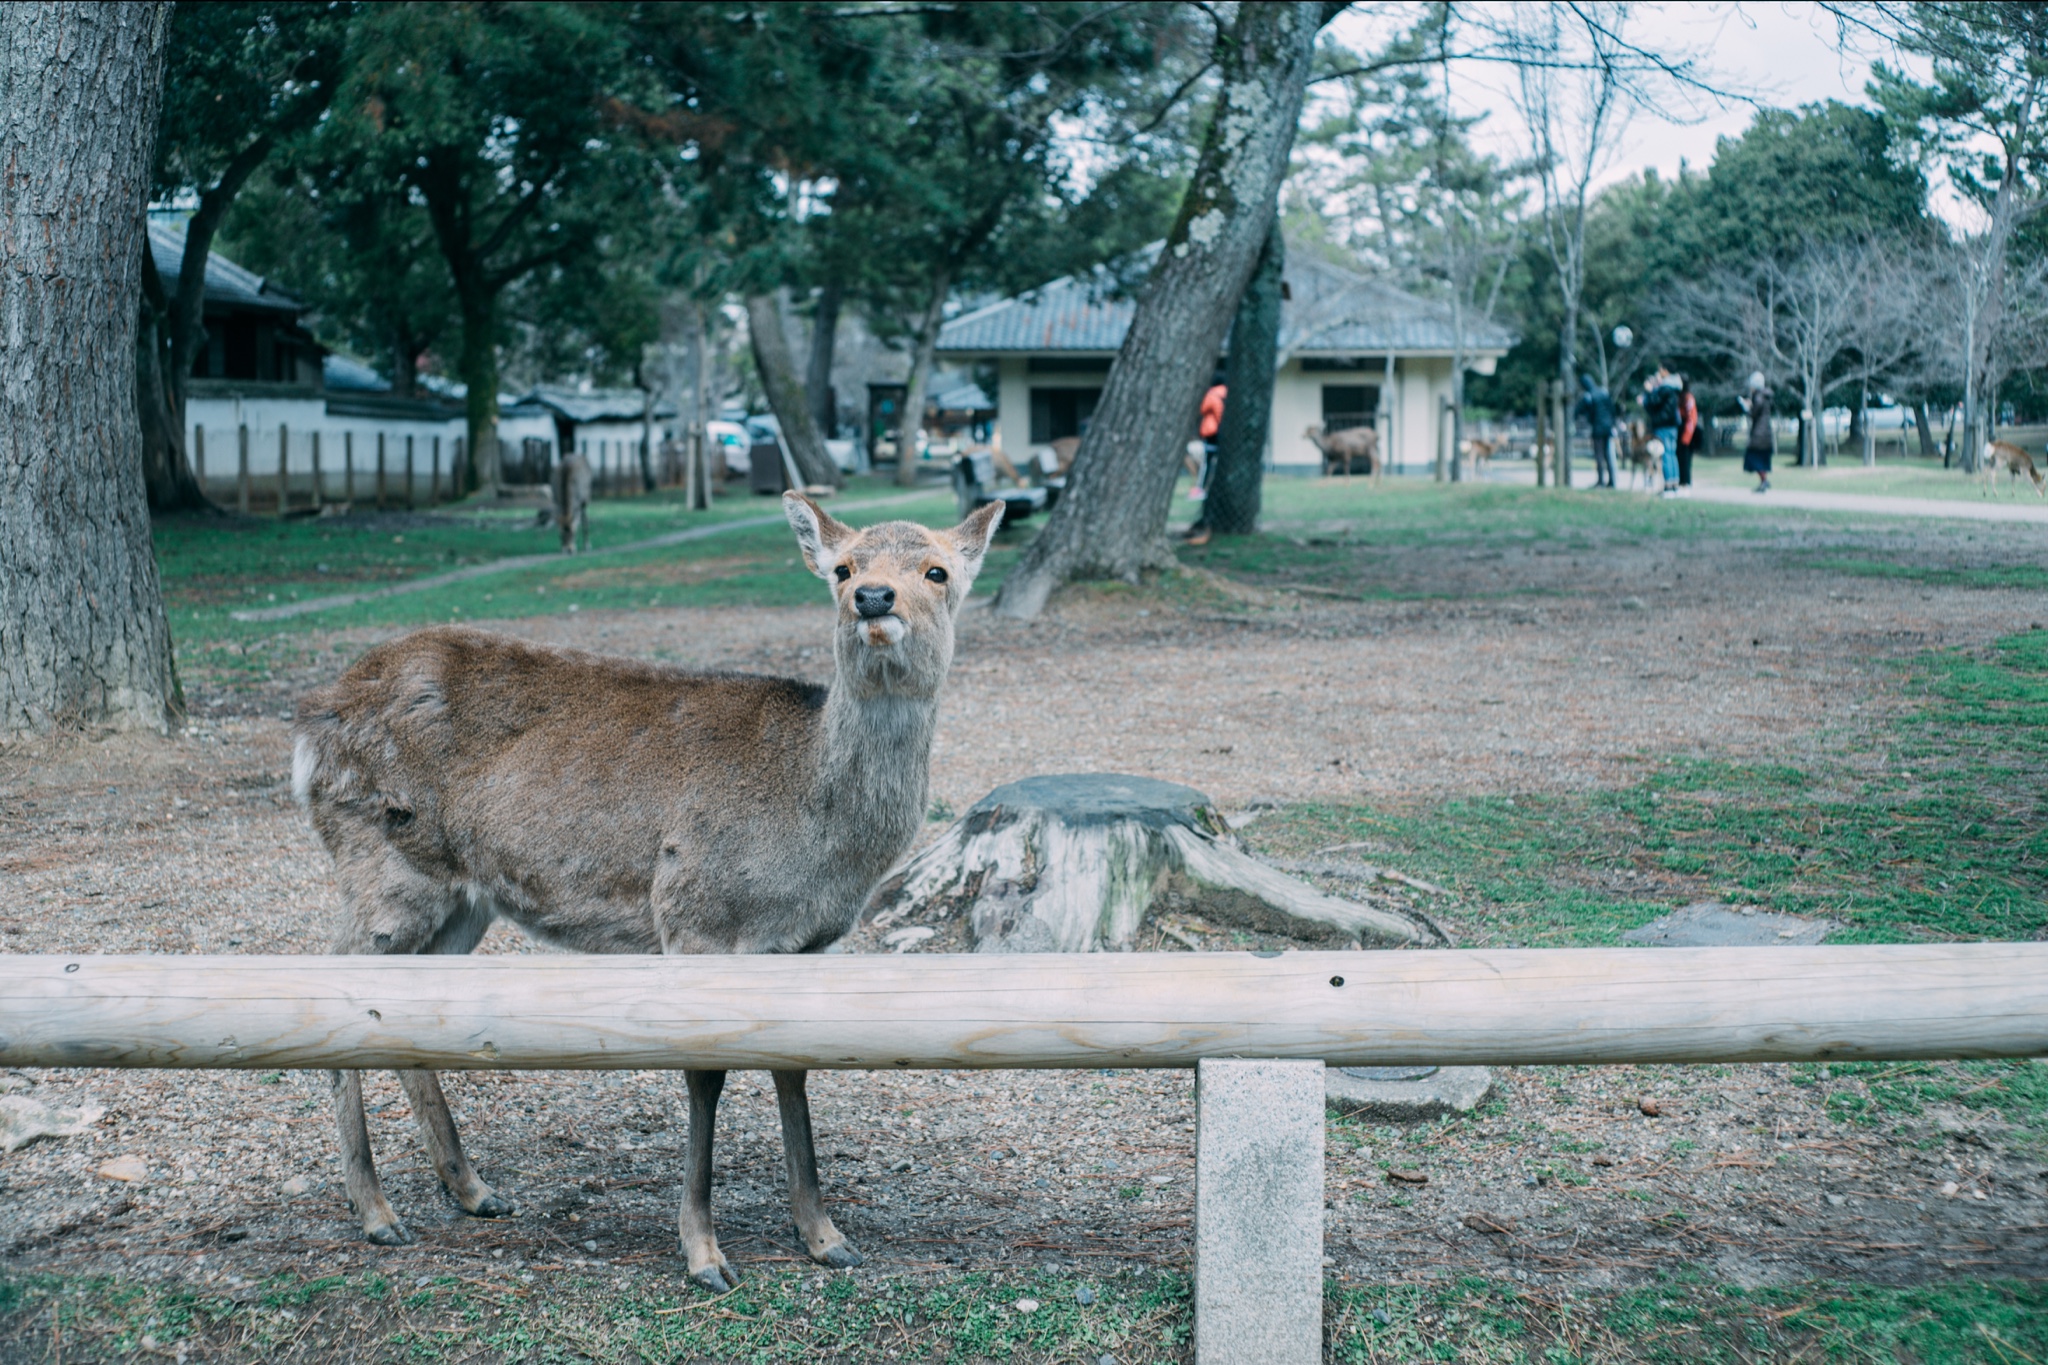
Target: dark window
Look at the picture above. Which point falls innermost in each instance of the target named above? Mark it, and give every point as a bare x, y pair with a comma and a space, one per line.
1313, 364
1349, 405
1057, 413
238, 348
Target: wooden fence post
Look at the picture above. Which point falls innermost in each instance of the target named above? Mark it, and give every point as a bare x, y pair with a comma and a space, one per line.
1542, 427
380, 471
316, 471
408, 472
199, 455
434, 475
348, 469
242, 470
458, 469
284, 488
1563, 434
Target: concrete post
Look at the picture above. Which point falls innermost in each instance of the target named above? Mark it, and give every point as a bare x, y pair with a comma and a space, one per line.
1258, 1212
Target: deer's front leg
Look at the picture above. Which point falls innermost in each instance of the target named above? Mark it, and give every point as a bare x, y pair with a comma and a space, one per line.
824, 1243
708, 1265
444, 1146
358, 1168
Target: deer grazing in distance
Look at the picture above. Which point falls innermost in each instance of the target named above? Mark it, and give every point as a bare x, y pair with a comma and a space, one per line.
1478, 452
607, 805
1643, 453
1343, 450
570, 486
2014, 461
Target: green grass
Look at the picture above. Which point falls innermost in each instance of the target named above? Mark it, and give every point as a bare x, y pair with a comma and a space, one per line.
1932, 832
1891, 477
783, 1317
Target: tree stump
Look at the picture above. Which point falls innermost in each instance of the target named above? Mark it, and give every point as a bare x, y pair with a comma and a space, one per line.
1071, 864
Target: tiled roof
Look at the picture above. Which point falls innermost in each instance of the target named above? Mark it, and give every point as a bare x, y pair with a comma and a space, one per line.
598, 405
1330, 309
226, 282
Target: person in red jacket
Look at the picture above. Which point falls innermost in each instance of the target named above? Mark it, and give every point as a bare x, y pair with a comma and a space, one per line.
1201, 457
1691, 435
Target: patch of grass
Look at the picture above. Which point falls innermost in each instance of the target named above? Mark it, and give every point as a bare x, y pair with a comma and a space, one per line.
2000, 1323
787, 1316
1937, 835
2028, 576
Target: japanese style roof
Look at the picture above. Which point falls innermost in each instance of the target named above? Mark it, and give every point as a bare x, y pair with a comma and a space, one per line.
596, 405
1329, 310
227, 284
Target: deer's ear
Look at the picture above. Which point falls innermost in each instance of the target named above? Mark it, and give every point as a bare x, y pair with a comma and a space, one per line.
821, 539
971, 537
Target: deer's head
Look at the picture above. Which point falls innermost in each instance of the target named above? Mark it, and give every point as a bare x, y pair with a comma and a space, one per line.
898, 586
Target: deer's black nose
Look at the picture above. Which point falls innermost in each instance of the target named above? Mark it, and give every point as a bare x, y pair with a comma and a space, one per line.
874, 601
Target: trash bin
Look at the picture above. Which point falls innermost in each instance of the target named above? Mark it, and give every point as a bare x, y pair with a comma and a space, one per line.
764, 468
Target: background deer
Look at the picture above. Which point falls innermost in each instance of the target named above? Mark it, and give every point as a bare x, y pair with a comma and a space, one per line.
570, 485
2004, 455
611, 806
1342, 450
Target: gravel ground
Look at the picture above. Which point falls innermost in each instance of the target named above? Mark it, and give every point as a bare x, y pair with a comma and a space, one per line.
129, 844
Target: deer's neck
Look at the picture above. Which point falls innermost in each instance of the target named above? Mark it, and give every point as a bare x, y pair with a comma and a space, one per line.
874, 765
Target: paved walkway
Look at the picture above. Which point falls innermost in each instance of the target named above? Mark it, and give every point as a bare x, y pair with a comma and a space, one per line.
2002, 507
463, 575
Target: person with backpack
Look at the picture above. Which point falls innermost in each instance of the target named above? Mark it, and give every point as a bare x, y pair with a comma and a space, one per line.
1691, 433
1660, 415
1596, 408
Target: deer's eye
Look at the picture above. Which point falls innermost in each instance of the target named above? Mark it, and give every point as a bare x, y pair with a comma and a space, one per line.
936, 575
842, 573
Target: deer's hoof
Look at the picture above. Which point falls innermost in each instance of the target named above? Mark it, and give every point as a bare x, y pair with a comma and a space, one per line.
841, 1257
392, 1234
493, 1205
714, 1278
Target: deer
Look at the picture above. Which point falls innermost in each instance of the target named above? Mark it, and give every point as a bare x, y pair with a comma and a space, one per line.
1644, 453
1343, 449
1478, 452
2004, 455
610, 805
570, 487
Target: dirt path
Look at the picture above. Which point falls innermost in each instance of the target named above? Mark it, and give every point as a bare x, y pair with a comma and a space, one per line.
1534, 672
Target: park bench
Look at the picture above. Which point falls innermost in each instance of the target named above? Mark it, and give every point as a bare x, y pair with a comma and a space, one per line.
974, 485
1258, 1028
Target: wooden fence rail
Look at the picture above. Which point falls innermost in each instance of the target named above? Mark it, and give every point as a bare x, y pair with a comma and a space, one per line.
1576, 1006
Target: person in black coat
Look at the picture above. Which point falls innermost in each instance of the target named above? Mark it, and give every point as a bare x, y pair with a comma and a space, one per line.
1596, 408
1756, 456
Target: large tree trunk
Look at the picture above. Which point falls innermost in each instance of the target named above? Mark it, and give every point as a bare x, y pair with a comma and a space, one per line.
824, 338
786, 393
1111, 521
920, 380
1926, 430
1236, 484
83, 640
480, 375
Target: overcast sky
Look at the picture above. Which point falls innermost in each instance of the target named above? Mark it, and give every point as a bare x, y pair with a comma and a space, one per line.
1778, 53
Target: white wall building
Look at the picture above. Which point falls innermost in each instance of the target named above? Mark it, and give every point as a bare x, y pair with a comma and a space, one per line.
1355, 351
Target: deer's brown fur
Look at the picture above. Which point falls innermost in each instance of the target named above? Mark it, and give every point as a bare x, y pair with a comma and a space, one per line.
1342, 449
2015, 463
607, 805
570, 486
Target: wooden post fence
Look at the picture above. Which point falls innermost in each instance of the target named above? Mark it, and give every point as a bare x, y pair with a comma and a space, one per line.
199, 455
1542, 453
434, 475
409, 499
1257, 1029
242, 469
380, 471
284, 464
316, 472
348, 469
1586, 1006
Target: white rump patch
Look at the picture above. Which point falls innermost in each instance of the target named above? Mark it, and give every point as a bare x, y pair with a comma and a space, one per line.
304, 763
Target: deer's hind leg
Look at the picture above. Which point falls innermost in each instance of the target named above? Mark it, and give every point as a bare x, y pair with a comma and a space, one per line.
823, 1242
